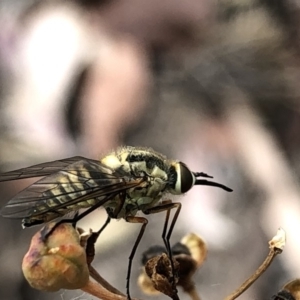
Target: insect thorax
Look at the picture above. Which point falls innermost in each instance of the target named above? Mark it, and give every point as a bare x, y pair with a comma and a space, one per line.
136, 163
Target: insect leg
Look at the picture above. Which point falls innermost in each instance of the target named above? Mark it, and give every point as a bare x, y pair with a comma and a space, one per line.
143, 221
90, 246
95, 235
74, 220
104, 226
166, 234
75, 216
90, 249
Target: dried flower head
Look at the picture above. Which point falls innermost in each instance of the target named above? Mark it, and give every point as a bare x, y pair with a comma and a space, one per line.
291, 291
188, 255
159, 271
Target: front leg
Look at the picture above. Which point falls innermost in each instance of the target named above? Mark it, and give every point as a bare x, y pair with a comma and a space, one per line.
167, 206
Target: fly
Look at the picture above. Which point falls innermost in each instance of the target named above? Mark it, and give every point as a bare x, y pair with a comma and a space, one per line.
124, 182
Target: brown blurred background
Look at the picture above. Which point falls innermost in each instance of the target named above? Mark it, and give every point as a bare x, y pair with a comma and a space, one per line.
212, 83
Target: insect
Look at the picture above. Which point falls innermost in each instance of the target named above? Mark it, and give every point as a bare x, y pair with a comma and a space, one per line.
126, 181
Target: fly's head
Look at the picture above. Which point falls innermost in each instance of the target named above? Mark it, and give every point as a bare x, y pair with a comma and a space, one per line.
182, 179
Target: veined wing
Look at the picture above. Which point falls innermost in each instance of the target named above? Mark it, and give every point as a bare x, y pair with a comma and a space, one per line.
74, 187
40, 170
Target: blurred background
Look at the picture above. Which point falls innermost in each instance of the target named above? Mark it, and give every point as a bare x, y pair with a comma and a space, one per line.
212, 83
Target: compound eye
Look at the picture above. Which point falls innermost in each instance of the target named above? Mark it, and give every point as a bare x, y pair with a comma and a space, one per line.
187, 179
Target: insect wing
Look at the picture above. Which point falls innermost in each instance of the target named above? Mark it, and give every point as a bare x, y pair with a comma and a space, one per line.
40, 170
69, 189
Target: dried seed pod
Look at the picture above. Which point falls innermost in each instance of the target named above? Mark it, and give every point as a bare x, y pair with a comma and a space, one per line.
160, 271
189, 254
291, 291
293, 288
283, 295
196, 247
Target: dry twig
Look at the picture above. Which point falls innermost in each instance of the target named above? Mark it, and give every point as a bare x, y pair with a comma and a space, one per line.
276, 247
